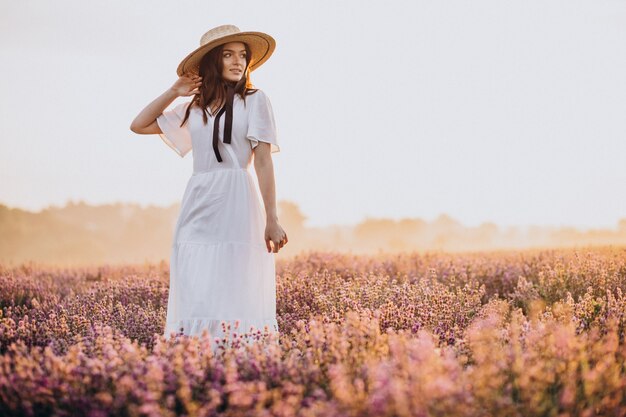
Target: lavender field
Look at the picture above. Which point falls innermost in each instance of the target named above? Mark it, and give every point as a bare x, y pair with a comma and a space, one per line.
519, 333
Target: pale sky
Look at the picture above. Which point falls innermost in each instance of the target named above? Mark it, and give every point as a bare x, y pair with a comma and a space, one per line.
506, 111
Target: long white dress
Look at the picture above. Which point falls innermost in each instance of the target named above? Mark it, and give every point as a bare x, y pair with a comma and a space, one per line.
220, 269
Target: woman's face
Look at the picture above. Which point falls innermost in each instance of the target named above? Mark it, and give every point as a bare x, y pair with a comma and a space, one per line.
233, 61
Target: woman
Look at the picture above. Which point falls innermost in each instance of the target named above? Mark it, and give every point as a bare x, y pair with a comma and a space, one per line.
222, 260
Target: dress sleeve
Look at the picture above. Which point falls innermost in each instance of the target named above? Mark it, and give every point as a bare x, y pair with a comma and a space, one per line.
261, 123
175, 136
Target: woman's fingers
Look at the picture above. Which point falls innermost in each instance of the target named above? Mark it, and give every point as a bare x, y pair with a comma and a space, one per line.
278, 244
277, 238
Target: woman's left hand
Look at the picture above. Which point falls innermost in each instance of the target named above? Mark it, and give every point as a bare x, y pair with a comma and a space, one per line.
275, 234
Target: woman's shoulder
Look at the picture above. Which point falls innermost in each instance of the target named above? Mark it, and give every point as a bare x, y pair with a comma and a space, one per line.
258, 98
194, 107
257, 93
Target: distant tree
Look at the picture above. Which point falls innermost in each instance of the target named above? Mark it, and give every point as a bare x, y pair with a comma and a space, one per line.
290, 216
372, 228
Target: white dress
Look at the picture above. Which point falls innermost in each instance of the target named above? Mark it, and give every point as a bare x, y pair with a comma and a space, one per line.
220, 269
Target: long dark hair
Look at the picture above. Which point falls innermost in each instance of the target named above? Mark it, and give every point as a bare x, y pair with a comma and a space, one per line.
214, 86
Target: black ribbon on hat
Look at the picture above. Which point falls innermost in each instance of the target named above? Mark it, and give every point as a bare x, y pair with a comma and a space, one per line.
228, 122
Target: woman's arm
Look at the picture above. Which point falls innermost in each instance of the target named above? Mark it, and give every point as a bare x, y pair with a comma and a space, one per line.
264, 168
145, 122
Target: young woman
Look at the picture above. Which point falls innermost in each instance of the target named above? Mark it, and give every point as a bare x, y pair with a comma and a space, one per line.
222, 260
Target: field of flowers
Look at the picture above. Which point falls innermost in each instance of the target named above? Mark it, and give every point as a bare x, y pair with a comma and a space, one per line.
519, 333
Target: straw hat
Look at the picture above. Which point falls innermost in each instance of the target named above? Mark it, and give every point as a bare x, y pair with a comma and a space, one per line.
261, 47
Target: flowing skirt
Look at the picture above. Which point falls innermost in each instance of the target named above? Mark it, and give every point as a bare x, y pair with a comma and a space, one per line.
220, 269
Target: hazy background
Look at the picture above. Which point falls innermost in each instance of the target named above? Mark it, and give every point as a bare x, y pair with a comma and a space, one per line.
81, 234
502, 112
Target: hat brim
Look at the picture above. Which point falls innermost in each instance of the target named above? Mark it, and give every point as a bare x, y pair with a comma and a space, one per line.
261, 47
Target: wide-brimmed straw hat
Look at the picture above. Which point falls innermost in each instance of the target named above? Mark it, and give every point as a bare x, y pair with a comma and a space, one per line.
261, 47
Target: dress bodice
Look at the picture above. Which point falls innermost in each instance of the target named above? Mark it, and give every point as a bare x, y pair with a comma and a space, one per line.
253, 121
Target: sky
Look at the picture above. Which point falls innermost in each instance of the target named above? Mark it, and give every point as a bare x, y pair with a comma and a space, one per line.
503, 111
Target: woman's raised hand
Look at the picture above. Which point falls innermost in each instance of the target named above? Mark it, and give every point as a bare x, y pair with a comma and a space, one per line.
187, 84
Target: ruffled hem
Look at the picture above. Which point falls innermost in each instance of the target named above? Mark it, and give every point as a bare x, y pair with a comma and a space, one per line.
195, 327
